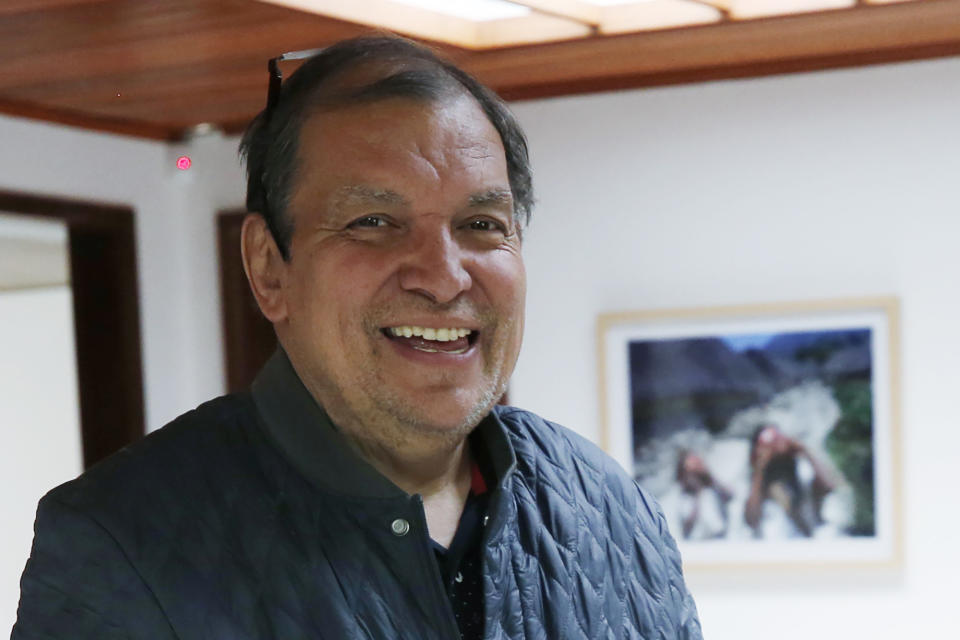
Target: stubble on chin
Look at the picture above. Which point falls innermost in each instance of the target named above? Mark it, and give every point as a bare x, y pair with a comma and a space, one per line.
403, 422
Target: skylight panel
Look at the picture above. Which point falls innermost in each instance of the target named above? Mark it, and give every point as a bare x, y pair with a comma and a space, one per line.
476, 10
611, 3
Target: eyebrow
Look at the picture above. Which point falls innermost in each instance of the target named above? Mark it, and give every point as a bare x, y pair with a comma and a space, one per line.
354, 194
492, 197
359, 194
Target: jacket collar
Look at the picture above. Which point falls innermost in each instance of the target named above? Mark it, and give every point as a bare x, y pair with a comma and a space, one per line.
303, 432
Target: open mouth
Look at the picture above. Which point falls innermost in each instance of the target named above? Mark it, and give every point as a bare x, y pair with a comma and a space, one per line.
453, 340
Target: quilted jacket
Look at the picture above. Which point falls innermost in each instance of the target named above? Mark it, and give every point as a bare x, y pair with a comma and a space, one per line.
251, 518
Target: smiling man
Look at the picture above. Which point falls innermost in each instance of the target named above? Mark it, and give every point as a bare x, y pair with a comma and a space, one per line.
368, 486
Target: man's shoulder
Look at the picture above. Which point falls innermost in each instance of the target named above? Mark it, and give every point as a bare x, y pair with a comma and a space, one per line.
532, 434
570, 491
174, 461
550, 452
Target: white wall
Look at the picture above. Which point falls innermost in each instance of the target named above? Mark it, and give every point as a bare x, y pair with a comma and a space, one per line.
826, 185
39, 420
785, 188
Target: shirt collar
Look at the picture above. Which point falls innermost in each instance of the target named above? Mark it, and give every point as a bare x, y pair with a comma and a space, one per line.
303, 432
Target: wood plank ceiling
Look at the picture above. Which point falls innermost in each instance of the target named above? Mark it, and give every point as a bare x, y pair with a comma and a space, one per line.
157, 68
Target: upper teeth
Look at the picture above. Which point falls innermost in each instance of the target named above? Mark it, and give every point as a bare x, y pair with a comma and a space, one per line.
428, 333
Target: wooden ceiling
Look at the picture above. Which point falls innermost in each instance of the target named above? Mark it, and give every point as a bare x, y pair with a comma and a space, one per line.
157, 68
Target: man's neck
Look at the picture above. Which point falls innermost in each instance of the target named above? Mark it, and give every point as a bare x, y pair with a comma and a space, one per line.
440, 475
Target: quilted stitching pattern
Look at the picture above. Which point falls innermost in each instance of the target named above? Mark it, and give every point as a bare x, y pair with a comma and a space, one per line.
591, 557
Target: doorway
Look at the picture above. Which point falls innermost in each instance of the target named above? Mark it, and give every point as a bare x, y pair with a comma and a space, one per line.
106, 316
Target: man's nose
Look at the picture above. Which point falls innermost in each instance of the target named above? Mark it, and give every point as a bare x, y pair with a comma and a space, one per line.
434, 265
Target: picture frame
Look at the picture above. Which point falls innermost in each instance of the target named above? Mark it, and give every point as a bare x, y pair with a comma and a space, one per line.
769, 433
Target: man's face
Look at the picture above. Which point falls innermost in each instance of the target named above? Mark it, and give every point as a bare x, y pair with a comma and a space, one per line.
403, 224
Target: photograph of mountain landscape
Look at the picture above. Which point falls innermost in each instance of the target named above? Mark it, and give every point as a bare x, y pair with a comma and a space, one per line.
771, 437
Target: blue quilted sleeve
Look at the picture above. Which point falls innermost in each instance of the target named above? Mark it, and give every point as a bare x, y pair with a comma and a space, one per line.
79, 585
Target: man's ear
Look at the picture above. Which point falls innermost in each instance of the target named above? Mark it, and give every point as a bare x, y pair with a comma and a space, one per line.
264, 266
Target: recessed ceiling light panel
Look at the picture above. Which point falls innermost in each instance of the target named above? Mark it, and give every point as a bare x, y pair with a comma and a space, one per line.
477, 10
612, 3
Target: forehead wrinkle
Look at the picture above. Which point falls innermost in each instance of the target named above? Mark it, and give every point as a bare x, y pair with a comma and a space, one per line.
475, 150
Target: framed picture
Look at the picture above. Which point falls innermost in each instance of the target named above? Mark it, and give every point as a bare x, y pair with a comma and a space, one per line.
768, 433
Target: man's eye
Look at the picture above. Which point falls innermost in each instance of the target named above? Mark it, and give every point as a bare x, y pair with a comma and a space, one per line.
367, 222
485, 225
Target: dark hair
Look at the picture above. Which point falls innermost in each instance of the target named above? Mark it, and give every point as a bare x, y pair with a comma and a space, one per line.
407, 69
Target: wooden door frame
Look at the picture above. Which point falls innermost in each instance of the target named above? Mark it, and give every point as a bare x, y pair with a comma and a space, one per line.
106, 316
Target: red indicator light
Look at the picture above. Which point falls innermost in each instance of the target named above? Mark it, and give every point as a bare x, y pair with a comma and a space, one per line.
183, 163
